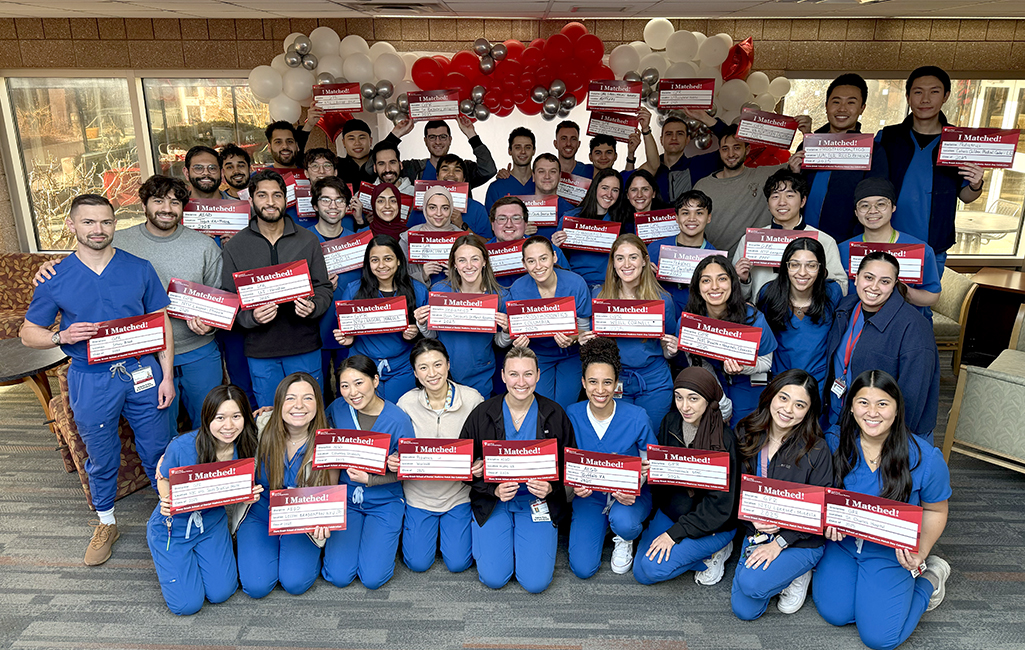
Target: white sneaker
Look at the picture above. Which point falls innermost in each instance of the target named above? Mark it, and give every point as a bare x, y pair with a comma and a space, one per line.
622, 555
792, 598
941, 569
716, 567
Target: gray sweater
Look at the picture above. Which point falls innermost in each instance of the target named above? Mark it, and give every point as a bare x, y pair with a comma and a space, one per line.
737, 204
184, 254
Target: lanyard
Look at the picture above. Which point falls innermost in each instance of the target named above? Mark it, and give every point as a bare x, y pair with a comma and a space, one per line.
852, 340
763, 456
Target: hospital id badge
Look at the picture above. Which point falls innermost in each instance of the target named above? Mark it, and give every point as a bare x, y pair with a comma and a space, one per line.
143, 379
618, 394
839, 387
539, 511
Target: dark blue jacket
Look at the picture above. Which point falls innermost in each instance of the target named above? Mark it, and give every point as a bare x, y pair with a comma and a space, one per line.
900, 341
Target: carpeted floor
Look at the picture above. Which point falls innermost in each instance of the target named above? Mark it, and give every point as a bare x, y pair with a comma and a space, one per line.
49, 599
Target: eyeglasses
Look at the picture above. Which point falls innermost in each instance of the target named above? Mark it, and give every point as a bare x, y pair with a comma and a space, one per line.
199, 169
516, 219
795, 266
321, 167
443, 137
327, 200
865, 207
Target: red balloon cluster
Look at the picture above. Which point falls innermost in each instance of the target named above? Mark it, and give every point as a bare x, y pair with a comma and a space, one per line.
573, 55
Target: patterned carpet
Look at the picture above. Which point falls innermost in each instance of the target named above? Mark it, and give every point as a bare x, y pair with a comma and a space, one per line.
48, 599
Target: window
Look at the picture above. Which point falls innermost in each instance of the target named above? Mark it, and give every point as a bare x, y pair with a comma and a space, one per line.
75, 136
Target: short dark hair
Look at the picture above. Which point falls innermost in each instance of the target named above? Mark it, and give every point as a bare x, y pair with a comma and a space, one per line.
522, 132
550, 157
198, 149
436, 124
384, 146
928, 71
88, 199
450, 158
567, 124
319, 152
508, 200
849, 79
694, 196
671, 119
599, 140
265, 175
730, 131
333, 182
231, 150
161, 186
280, 125
780, 179
423, 346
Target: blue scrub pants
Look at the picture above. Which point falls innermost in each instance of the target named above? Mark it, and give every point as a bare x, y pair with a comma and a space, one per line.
511, 541
232, 345
367, 546
264, 560
195, 569
651, 389
423, 531
98, 400
268, 373
753, 588
559, 378
688, 555
870, 589
587, 529
196, 373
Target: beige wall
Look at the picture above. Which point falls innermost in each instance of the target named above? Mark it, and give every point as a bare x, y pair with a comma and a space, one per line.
781, 46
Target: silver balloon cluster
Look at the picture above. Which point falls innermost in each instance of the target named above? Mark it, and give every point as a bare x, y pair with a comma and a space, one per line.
376, 96
554, 100
474, 106
328, 78
489, 54
649, 85
300, 53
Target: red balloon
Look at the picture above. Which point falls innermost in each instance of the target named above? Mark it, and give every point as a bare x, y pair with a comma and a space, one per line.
558, 48
532, 55
508, 102
460, 82
602, 73
539, 43
510, 84
492, 100
514, 49
581, 95
520, 95
427, 73
527, 81
589, 49
509, 69
574, 31
529, 107
505, 111
445, 62
464, 62
572, 73
545, 76
738, 63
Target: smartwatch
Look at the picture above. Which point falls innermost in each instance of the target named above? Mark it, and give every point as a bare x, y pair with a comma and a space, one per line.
781, 542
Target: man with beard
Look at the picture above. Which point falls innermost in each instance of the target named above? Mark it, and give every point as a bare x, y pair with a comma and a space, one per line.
389, 168
99, 283
517, 179
286, 152
567, 142
203, 173
438, 138
280, 339
546, 183
355, 139
235, 165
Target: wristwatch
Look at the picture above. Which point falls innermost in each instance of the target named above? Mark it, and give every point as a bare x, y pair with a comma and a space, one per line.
56, 338
781, 542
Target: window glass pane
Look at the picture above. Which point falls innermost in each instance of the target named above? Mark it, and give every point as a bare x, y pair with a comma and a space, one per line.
213, 112
75, 136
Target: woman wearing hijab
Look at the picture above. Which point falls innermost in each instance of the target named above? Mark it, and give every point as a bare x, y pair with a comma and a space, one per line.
386, 211
438, 215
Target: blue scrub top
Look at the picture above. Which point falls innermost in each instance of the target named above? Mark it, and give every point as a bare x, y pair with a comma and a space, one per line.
528, 428
506, 187
930, 477
678, 290
329, 322
393, 421
391, 346
816, 198
508, 280
471, 351
641, 354
930, 267
128, 286
588, 265
803, 343
629, 433
567, 284
181, 452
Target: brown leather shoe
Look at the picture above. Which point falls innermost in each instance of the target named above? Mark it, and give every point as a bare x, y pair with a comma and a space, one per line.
103, 539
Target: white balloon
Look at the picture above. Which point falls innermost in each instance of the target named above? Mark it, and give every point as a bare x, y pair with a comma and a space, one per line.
733, 94
729, 117
298, 83
353, 44
624, 59
715, 50
284, 108
379, 48
657, 32
390, 66
278, 63
766, 102
642, 49
404, 86
288, 40
681, 70
681, 46
409, 58
705, 72
331, 63
758, 82
655, 60
265, 83
357, 67
701, 38
325, 41
779, 87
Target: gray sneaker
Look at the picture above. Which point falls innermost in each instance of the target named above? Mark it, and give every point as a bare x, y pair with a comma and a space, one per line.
940, 570
716, 567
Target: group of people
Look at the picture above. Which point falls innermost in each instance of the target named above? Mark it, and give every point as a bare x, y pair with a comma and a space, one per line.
843, 391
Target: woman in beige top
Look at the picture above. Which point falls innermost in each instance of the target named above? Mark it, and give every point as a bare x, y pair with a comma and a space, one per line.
438, 214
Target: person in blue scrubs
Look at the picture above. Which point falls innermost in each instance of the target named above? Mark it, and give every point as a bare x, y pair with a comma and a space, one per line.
927, 193
874, 206
783, 441
558, 356
798, 306
719, 296
370, 540
99, 283
510, 219
567, 143
865, 583
518, 178
452, 168
385, 275
603, 202
192, 552
692, 529
437, 515
693, 214
284, 459
515, 525
609, 426
647, 381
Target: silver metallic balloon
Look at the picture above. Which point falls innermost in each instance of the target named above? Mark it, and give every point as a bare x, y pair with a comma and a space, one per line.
557, 88
481, 112
712, 111
477, 93
368, 105
481, 47
302, 45
385, 88
661, 120
646, 90
691, 123
703, 141
663, 111
293, 59
487, 64
325, 78
391, 111
379, 103
546, 117
499, 51
650, 76
568, 102
310, 62
539, 94
652, 101
563, 112
402, 101
631, 76
466, 107
551, 106
368, 90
